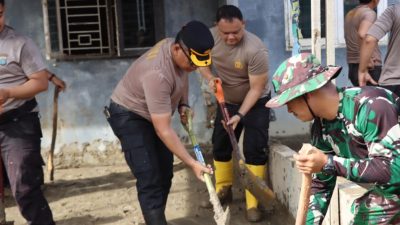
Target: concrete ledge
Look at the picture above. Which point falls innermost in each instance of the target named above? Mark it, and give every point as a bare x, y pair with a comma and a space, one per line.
286, 183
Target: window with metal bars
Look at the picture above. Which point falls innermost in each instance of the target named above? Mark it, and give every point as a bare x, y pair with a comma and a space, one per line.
101, 28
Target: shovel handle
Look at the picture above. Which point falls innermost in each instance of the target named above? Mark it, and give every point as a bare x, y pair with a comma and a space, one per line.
254, 184
196, 147
197, 150
220, 217
304, 199
219, 93
305, 190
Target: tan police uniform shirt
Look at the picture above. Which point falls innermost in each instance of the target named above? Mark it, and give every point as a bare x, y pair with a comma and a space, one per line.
351, 25
19, 58
153, 84
233, 64
389, 21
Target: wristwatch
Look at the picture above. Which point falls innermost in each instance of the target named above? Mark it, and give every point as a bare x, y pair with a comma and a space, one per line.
240, 115
329, 168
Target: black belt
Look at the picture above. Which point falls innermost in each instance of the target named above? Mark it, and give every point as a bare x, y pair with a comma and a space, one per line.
24, 109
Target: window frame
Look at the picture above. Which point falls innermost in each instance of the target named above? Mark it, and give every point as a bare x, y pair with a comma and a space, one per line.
158, 14
305, 43
115, 33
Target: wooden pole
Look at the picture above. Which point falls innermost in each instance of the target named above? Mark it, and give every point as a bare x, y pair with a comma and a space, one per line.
316, 28
330, 15
46, 29
305, 190
304, 199
50, 159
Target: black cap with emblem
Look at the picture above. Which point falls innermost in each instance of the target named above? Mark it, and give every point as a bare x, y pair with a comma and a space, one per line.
198, 39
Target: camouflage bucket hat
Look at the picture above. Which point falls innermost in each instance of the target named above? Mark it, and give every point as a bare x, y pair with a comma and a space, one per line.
298, 75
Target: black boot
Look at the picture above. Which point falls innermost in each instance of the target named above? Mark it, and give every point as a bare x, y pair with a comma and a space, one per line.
155, 217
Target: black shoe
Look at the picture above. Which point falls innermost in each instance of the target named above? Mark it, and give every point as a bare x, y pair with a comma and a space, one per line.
155, 217
224, 196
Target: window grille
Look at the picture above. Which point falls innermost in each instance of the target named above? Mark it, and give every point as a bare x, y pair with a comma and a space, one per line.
84, 27
101, 28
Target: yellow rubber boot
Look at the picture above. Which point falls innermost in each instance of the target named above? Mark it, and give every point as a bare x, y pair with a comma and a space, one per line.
252, 212
223, 174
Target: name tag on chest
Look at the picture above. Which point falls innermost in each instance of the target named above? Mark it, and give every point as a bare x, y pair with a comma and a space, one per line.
3, 60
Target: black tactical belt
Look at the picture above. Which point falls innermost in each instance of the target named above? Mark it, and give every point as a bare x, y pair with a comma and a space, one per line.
24, 109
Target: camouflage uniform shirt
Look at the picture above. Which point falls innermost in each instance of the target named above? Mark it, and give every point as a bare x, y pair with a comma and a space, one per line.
365, 141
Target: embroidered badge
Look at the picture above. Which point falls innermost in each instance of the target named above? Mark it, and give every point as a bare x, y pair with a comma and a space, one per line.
3, 60
238, 65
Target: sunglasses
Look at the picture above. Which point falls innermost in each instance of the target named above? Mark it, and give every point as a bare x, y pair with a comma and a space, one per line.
187, 56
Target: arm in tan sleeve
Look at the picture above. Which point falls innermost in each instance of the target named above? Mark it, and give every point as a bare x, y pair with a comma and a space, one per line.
257, 85
35, 84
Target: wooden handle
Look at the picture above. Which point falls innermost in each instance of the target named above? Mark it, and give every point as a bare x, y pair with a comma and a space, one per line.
304, 199
50, 159
305, 191
219, 94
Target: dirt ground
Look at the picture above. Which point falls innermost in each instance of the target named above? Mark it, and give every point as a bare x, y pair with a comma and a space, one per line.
107, 195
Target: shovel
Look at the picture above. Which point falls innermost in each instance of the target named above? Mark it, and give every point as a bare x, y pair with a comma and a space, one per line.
220, 217
252, 183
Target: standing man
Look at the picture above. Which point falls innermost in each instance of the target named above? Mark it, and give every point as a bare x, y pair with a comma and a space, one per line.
355, 135
140, 114
23, 75
356, 25
241, 63
61, 85
389, 21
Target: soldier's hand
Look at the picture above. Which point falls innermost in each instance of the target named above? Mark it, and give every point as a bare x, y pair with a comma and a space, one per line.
311, 162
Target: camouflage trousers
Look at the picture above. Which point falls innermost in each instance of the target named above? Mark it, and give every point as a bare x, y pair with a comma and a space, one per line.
374, 208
